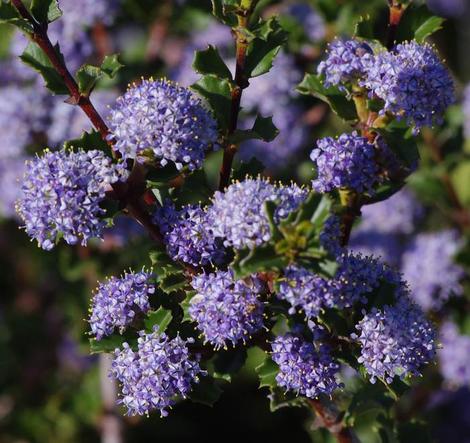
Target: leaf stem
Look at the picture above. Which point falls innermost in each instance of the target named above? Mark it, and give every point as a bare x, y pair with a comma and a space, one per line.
396, 13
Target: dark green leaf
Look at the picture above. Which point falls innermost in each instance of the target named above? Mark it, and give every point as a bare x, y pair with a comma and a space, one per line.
418, 23
263, 129
160, 318
267, 372
111, 65
107, 344
217, 92
45, 11
224, 12
279, 399
262, 50
251, 168
88, 141
209, 61
384, 192
9, 14
260, 259
35, 57
229, 362
312, 85
89, 75
207, 391
364, 28
173, 282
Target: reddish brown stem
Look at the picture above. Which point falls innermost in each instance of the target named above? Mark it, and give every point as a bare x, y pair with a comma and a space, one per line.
396, 13
330, 419
124, 192
241, 83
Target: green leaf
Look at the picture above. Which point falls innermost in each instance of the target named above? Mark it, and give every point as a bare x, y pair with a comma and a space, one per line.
9, 14
224, 12
267, 372
312, 85
229, 362
263, 129
262, 50
403, 144
251, 168
160, 318
364, 28
87, 141
429, 27
207, 391
107, 344
384, 192
89, 75
34, 56
260, 259
217, 92
280, 399
418, 23
172, 283
45, 11
111, 65
209, 61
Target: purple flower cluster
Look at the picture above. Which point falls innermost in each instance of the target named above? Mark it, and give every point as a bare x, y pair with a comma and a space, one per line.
429, 267
163, 121
61, 195
117, 302
305, 291
345, 162
158, 371
413, 83
395, 340
238, 214
358, 276
226, 310
330, 236
188, 235
304, 368
347, 61
453, 357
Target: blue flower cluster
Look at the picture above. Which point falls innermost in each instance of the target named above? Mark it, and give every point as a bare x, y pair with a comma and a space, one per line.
151, 377
226, 310
188, 236
117, 301
346, 62
412, 82
159, 120
238, 214
430, 269
345, 162
395, 340
304, 368
61, 195
453, 356
305, 291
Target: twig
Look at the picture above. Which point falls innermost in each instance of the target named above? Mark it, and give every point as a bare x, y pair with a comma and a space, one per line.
241, 82
331, 419
396, 13
122, 191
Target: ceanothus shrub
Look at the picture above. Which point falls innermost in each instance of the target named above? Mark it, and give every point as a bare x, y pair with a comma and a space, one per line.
237, 259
